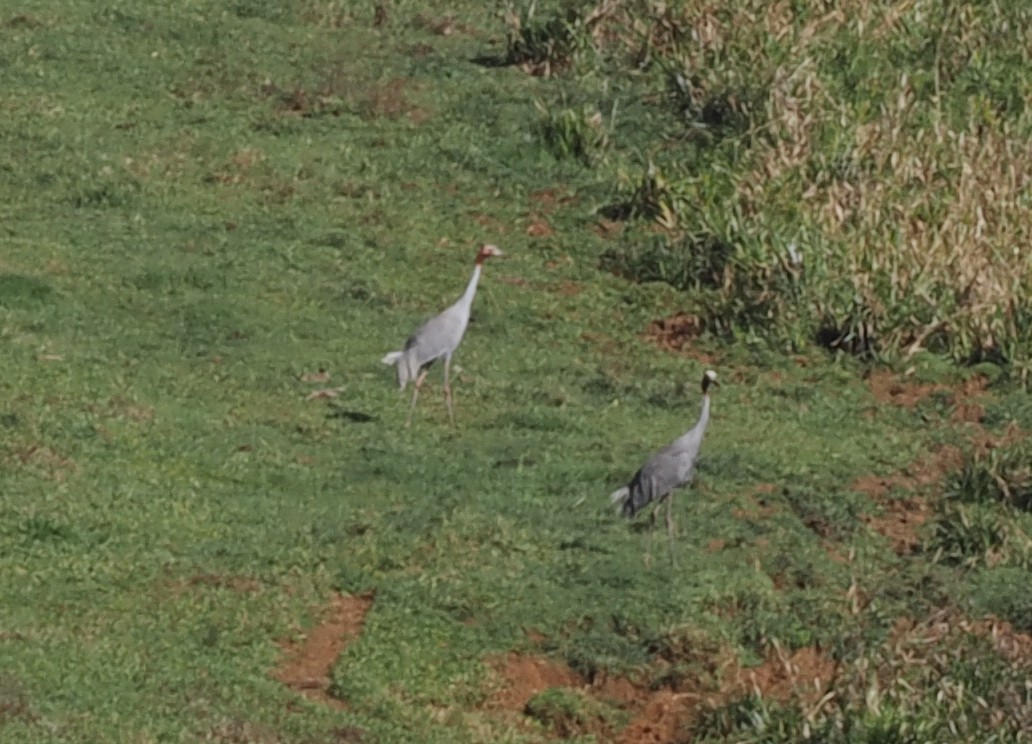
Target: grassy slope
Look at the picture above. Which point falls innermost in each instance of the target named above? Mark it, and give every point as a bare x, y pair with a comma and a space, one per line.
180, 244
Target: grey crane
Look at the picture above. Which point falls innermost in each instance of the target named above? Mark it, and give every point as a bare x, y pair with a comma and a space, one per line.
671, 468
438, 338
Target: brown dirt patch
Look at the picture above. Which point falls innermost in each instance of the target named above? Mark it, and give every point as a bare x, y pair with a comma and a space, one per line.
660, 716
660, 720
902, 518
757, 508
538, 228
607, 229
568, 288
307, 661
676, 333
390, 101
802, 677
523, 677
889, 388
490, 223
901, 522
550, 198
47, 462
804, 674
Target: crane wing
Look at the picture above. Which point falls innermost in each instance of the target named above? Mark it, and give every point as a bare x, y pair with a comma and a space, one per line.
667, 470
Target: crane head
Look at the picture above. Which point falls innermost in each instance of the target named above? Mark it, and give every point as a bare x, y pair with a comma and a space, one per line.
486, 251
709, 377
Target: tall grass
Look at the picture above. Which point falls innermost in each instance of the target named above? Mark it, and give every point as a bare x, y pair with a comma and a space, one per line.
885, 143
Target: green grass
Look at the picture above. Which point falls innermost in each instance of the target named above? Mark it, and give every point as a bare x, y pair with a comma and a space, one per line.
199, 205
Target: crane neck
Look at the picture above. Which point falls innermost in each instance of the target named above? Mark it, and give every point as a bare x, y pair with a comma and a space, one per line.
471, 288
700, 425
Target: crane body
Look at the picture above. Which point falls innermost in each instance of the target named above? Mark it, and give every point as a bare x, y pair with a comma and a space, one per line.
438, 338
671, 468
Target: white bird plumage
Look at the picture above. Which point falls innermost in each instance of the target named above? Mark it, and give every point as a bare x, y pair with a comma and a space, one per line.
438, 338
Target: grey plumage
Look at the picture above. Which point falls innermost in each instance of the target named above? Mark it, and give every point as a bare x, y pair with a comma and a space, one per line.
671, 468
438, 338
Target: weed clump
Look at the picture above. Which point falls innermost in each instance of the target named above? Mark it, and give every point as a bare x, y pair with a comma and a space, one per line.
550, 43
976, 520
1002, 474
568, 713
574, 133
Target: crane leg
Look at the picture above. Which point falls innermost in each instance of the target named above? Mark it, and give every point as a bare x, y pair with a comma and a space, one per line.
415, 394
447, 390
652, 531
670, 526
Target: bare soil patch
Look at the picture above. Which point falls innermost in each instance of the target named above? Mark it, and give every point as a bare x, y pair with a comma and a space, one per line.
668, 714
902, 518
757, 509
491, 223
677, 333
523, 677
963, 398
539, 228
49, 463
660, 720
568, 288
308, 660
390, 101
607, 229
901, 522
549, 199
661, 716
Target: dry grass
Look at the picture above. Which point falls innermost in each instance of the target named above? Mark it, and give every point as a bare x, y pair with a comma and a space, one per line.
886, 140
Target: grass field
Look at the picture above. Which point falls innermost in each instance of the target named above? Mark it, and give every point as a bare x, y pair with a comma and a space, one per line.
204, 539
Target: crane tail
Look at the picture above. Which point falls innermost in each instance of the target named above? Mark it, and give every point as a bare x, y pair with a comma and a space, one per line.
406, 365
399, 359
619, 498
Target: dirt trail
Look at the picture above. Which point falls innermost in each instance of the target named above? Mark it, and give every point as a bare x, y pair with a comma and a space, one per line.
308, 661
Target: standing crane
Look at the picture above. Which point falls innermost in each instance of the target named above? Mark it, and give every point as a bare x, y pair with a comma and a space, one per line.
438, 338
671, 468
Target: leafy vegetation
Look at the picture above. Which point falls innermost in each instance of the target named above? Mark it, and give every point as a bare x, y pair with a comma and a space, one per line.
866, 167
217, 218
923, 684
